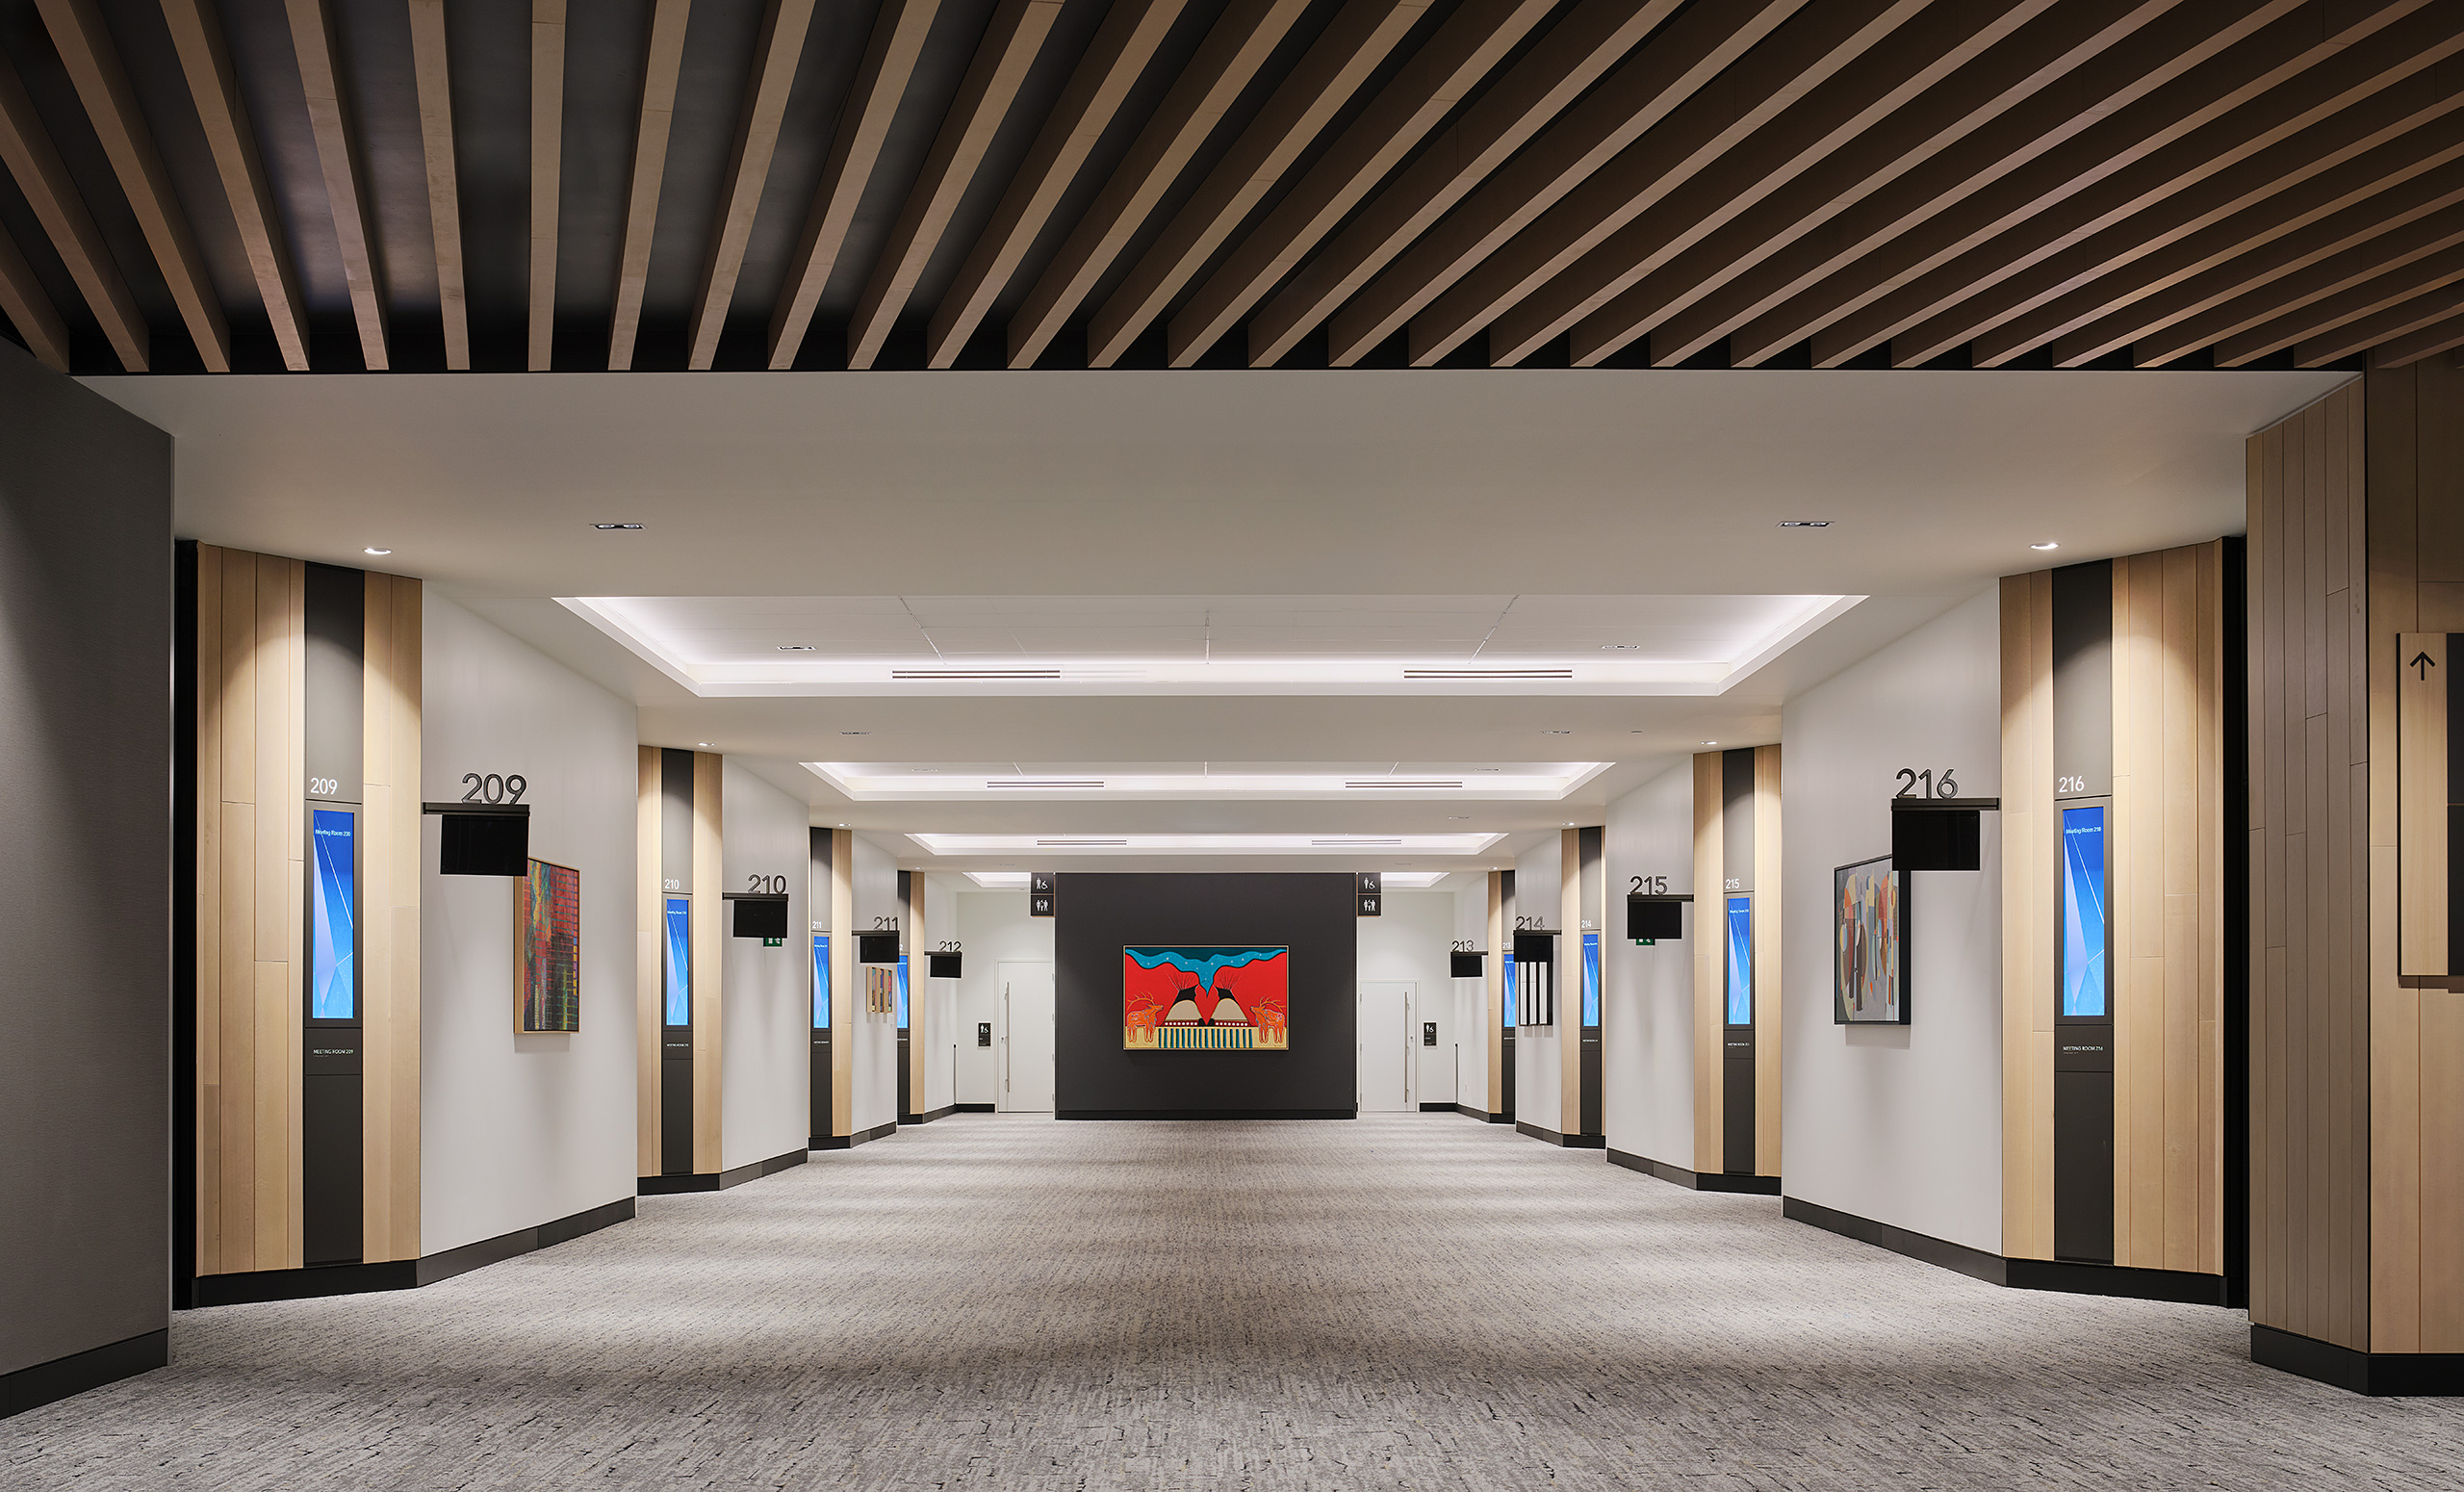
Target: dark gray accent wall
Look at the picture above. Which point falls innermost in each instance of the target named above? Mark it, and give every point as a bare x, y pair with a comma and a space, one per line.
85, 888
1101, 915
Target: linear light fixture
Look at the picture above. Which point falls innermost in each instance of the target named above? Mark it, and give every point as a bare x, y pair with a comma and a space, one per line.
1313, 846
890, 782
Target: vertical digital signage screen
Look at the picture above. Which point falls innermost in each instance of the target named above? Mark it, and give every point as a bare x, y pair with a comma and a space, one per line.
821, 980
1513, 990
333, 941
680, 961
902, 992
2084, 983
1740, 961
1591, 979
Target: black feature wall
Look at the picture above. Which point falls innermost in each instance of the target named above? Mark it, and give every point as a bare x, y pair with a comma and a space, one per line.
86, 915
1314, 915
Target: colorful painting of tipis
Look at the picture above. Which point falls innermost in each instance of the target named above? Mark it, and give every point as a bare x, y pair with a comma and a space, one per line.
1206, 999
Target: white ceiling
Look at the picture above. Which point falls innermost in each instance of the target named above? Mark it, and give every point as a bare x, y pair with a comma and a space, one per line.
1279, 512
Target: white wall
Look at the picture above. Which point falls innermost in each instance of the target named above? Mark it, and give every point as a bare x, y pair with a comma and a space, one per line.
1539, 1081
1902, 1124
1409, 942
873, 1083
1471, 1039
1647, 994
519, 1130
995, 927
765, 1066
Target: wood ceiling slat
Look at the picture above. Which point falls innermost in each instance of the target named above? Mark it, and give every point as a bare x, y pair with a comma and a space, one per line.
1896, 73
1568, 60
29, 310
2429, 342
1010, 43
2431, 309
26, 146
2354, 283
547, 172
2021, 219
663, 60
1360, 36
855, 150
92, 64
1796, 60
1124, 46
1465, 49
312, 42
2213, 172
1239, 43
1781, 302
2407, 178
433, 81
2049, 51
1646, 90
205, 60
783, 25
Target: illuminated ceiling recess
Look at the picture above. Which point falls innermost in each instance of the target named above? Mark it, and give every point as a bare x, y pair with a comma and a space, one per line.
891, 646
1354, 846
875, 781
1395, 879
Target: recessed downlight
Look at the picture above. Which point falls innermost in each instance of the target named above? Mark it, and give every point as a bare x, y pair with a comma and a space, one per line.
1619, 647
1710, 743
617, 527
2045, 546
373, 550
1556, 732
702, 744
795, 647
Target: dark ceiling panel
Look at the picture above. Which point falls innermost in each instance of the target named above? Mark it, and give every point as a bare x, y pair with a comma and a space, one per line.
488, 44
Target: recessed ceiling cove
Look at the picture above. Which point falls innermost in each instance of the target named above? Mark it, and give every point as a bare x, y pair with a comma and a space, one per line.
721, 646
889, 782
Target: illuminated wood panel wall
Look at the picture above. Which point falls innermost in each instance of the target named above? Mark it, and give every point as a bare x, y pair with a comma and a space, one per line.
842, 982
2031, 829
1710, 952
1569, 973
705, 884
390, 931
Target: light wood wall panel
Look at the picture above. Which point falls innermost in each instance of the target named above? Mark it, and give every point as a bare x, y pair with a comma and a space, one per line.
2314, 1100
919, 1027
390, 936
2028, 854
1767, 866
1711, 933
709, 939
650, 964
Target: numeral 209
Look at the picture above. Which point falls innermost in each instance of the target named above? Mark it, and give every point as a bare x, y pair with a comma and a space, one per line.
494, 788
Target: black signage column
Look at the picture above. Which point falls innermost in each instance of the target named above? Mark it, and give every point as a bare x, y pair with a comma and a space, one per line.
2083, 1017
676, 955
333, 1001
1736, 961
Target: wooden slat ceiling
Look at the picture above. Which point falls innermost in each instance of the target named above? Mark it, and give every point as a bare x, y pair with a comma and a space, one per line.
430, 185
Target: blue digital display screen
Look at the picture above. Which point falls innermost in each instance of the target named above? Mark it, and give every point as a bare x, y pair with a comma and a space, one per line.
680, 961
1740, 961
902, 992
821, 980
2082, 912
1505, 961
1591, 979
333, 941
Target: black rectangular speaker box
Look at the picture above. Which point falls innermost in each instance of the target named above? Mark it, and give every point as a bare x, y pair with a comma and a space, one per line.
942, 966
1655, 919
1937, 839
876, 948
1535, 947
485, 844
759, 918
1464, 965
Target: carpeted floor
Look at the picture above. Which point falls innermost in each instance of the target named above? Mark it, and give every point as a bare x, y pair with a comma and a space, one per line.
1408, 1302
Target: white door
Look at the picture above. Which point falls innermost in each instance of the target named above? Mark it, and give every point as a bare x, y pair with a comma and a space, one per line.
1386, 1034
1025, 1040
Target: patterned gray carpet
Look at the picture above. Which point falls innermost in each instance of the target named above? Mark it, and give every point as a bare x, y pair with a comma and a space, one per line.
1412, 1301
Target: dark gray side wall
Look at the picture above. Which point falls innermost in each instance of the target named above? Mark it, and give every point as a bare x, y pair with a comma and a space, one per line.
84, 879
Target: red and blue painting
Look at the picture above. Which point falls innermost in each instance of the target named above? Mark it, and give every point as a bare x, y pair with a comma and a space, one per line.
1206, 999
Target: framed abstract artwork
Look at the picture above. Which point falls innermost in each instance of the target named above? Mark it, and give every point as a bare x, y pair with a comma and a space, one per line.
547, 917
1868, 943
1206, 999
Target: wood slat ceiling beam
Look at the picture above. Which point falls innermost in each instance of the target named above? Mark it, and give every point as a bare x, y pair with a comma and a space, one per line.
663, 62
1464, 50
2025, 216
1363, 34
2349, 287
2048, 51
2409, 177
546, 172
29, 310
1798, 58
783, 25
855, 149
25, 145
1777, 303
1239, 43
1699, 43
205, 60
312, 41
2429, 342
434, 84
2433, 308
1124, 46
1009, 48
2204, 176
1835, 141
93, 66
1569, 58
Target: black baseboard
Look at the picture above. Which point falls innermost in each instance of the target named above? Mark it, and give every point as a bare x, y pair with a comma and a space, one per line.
972, 1108
1570, 1142
1483, 1115
331, 1279
720, 1181
850, 1141
2179, 1286
49, 1382
929, 1115
1694, 1180
1441, 1108
1207, 1114
2379, 1375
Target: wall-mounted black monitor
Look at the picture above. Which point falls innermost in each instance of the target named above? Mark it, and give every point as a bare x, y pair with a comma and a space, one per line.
1465, 966
876, 948
1940, 834
1535, 947
941, 966
1655, 918
484, 844
758, 916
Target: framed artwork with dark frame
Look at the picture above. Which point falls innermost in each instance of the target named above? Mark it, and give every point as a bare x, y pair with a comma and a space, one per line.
547, 918
1869, 944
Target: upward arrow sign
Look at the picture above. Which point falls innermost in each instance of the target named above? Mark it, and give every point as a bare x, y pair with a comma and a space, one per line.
2422, 663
